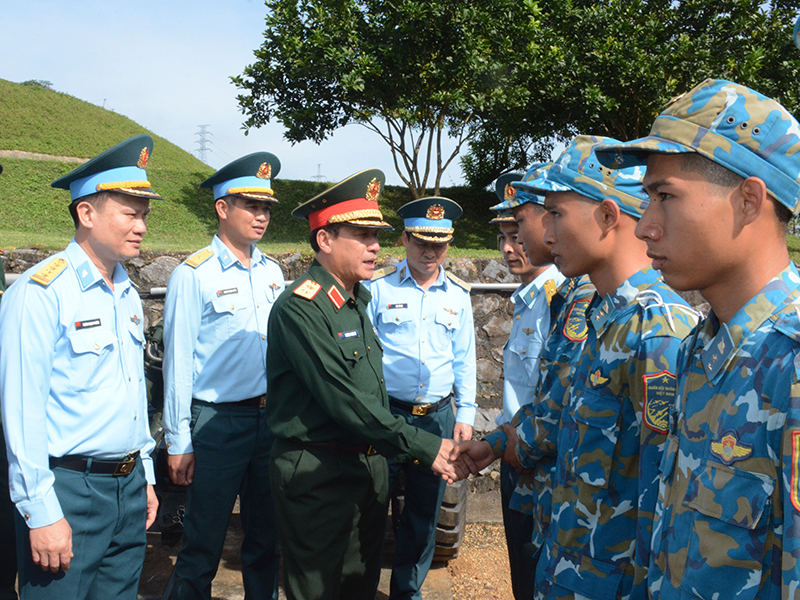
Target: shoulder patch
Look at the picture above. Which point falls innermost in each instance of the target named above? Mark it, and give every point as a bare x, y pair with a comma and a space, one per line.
308, 289
458, 282
383, 272
575, 328
659, 394
49, 272
198, 258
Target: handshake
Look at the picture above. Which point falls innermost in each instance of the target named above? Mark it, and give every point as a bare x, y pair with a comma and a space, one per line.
458, 459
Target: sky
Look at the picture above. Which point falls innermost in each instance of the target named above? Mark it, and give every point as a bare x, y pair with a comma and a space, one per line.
166, 64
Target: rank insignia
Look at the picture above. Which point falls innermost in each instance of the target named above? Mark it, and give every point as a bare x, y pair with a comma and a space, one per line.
199, 258
336, 297
729, 449
49, 272
509, 192
435, 212
550, 289
264, 171
135, 319
308, 289
575, 328
402, 274
795, 491
659, 395
373, 190
144, 157
597, 379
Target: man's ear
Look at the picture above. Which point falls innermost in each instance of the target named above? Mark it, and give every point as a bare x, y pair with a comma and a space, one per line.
749, 201
608, 215
222, 209
86, 214
324, 241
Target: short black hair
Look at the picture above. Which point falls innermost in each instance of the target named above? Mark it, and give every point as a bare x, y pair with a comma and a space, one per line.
715, 174
332, 228
97, 199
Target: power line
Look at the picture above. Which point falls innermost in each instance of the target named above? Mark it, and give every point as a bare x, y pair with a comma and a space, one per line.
203, 150
319, 176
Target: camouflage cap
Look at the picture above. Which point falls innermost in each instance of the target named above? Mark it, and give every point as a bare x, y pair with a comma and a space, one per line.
734, 126
525, 193
578, 170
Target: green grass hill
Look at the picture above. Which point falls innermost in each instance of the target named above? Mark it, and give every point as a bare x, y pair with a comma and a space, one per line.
32, 214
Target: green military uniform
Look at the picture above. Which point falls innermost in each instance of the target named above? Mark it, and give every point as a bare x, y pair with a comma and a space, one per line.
329, 412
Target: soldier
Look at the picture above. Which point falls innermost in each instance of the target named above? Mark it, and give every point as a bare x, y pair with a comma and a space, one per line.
723, 176
8, 550
329, 410
423, 316
215, 316
527, 256
74, 402
609, 436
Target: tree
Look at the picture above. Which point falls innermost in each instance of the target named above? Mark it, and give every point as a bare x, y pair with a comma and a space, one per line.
412, 71
611, 66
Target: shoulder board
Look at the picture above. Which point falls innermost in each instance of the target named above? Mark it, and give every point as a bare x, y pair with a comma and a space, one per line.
198, 258
308, 289
550, 288
787, 321
383, 272
272, 259
458, 282
49, 272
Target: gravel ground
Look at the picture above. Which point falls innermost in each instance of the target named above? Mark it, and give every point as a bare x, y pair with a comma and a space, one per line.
481, 570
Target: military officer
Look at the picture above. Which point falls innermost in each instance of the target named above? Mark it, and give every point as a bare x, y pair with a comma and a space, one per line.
215, 327
723, 176
423, 316
328, 407
73, 393
523, 247
609, 436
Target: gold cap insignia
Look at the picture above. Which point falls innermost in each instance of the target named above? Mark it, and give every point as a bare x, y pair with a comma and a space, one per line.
264, 171
373, 190
509, 193
144, 156
435, 212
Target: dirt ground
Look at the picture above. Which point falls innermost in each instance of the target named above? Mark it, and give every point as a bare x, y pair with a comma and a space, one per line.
480, 572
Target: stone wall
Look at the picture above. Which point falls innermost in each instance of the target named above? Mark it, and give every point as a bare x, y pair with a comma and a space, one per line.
492, 311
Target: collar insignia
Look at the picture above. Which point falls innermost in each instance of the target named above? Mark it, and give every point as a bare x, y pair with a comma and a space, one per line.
336, 297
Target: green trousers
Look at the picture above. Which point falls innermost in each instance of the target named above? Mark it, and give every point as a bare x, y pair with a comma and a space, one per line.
331, 510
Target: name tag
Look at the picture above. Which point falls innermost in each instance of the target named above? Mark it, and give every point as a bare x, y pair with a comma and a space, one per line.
227, 292
346, 335
391, 306
88, 324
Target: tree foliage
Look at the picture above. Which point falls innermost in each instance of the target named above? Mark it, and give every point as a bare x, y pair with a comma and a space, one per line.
413, 71
608, 67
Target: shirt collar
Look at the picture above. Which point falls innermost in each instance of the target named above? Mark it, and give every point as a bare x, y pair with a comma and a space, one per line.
602, 310
321, 275
87, 272
720, 340
226, 257
529, 292
404, 274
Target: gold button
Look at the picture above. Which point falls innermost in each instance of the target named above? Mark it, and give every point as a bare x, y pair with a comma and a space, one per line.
416, 462
355, 353
424, 318
517, 317
263, 337
421, 385
97, 346
369, 347
232, 307
397, 318
423, 362
27, 516
523, 351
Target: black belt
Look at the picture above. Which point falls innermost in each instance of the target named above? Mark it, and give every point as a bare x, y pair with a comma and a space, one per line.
256, 402
83, 464
338, 447
420, 410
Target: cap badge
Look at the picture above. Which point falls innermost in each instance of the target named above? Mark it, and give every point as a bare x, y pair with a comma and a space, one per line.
435, 212
264, 171
373, 190
144, 156
509, 193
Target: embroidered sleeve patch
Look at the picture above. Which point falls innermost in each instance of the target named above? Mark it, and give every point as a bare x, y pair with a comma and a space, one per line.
308, 289
659, 395
575, 328
49, 272
796, 470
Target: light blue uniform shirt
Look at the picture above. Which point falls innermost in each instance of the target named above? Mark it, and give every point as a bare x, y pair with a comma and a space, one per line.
71, 376
428, 339
529, 330
215, 334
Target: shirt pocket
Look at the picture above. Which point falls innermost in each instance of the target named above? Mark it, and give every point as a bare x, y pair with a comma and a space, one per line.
397, 326
89, 360
447, 324
731, 513
597, 422
231, 315
353, 351
527, 352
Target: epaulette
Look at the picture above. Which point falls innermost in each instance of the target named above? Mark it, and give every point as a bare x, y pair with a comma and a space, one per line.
308, 289
198, 258
787, 321
550, 289
383, 272
49, 272
458, 282
272, 259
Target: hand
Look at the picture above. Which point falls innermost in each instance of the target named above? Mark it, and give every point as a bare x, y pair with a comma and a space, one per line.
152, 506
181, 468
51, 546
479, 452
510, 455
462, 431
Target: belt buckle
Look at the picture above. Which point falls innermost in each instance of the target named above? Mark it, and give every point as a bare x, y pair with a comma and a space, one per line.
262, 402
420, 410
125, 466
371, 451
